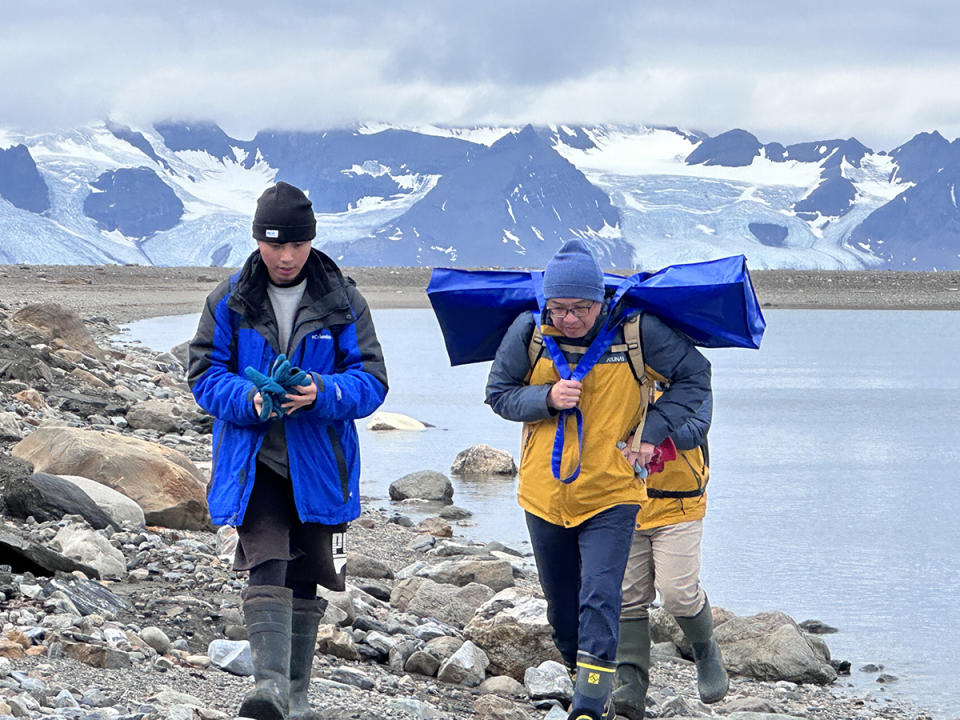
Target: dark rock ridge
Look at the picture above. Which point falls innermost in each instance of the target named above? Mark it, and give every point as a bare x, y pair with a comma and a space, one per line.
734, 148
122, 132
830, 153
20, 181
322, 162
833, 197
134, 201
512, 205
205, 136
923, 155
918, 229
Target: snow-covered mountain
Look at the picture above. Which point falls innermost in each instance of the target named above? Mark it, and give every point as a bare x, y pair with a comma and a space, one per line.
184, 193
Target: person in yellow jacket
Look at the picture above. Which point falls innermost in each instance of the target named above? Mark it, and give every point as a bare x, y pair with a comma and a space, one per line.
665, 558
578, 490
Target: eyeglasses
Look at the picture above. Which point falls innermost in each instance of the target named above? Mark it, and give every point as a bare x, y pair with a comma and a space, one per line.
578, 311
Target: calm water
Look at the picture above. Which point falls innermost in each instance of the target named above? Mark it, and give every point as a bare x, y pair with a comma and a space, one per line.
834, 494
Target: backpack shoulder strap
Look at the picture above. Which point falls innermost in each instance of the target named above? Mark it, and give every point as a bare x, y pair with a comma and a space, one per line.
534, 347
631, 337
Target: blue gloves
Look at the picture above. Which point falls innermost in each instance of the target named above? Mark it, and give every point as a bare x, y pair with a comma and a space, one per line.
273, 388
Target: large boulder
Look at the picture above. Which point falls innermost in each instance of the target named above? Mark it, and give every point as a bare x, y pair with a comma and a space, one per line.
512, 628
118, 507
48, 497
771, 646
162, 481
495, 574
447, 603
423, 485
483, 460
56, 322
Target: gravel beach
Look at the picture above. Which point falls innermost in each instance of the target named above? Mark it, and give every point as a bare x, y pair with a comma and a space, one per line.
124, 293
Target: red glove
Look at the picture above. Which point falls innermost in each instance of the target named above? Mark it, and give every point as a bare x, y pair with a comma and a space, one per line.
662, 454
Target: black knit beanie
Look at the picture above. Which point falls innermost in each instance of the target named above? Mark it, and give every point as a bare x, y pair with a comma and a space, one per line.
284, 214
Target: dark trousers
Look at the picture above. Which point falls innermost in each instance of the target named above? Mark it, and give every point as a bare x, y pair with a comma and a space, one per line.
581, 572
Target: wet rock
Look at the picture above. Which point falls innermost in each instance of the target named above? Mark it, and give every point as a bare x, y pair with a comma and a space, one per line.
455, 512
483, 460
771, 646
816, 627
512, 628
425, 485
435, 526
49, 497
162, 481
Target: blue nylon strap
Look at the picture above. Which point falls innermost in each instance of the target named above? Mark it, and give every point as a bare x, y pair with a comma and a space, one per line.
594, 352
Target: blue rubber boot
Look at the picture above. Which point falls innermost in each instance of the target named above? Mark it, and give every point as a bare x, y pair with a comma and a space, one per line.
593, 689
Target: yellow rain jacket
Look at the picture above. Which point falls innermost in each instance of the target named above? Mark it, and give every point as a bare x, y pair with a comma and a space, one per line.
612, 405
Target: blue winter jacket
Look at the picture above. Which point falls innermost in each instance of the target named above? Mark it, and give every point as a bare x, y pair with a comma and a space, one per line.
333, 339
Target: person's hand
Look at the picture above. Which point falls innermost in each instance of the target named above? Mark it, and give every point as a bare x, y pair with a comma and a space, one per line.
643, 456
304, 396
258, 406
564, 394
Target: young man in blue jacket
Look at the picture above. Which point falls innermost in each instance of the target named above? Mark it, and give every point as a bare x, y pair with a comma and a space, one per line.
286, 465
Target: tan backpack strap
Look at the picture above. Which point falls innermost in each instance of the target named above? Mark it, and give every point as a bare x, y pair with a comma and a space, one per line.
534, 350
631, 338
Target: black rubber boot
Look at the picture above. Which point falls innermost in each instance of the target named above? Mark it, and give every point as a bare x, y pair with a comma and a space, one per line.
303, 644
633, 668
267, 614
712, 680
593, 689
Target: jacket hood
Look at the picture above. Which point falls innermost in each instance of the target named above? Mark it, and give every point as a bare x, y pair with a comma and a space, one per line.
249, 294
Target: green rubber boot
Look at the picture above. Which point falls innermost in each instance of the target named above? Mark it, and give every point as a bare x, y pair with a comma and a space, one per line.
633, 668
712, 680
593, 689
303, 645
267, 614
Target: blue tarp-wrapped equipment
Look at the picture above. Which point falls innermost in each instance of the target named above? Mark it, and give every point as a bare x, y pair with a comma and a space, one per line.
713, 302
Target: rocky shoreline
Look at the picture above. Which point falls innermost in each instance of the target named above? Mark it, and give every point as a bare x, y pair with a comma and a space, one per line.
111, 608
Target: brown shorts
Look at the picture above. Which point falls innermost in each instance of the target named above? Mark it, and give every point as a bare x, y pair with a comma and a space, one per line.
272, 530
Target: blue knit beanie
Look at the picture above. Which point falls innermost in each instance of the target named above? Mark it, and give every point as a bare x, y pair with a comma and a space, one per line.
573, 273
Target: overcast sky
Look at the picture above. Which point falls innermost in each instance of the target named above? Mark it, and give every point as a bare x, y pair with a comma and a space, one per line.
878, 70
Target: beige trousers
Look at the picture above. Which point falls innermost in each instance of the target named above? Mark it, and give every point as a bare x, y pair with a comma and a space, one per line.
665, 560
